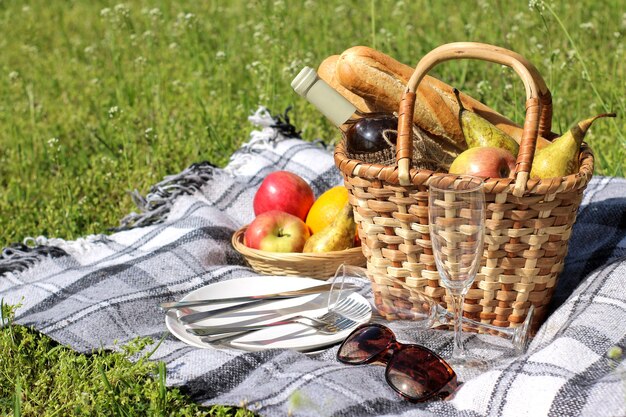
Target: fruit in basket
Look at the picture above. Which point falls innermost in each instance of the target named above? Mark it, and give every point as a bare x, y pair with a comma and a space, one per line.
276, 231
338, 235
486, 162
284, 191
560, 158
480, 132
326, 207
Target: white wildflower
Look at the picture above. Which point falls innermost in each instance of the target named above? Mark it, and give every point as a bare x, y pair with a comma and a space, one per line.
155, 13
52, 142
122, 10
114, 112
483, 86
220, 55
185, 19
149, 133
106, 12
588, 26
14, 76
31, 49
398, 11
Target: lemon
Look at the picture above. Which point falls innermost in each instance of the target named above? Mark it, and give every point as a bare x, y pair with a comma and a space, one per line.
326, 208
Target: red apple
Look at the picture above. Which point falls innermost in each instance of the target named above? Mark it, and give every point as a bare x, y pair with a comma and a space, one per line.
485, 162
284, 191
276, 231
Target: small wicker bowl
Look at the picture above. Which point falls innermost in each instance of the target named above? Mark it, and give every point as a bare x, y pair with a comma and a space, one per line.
313, 265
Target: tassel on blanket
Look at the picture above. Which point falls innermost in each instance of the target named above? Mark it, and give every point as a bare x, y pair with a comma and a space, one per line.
19, 257
157, 203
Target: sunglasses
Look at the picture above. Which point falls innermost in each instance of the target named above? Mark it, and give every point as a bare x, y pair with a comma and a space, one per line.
415, 372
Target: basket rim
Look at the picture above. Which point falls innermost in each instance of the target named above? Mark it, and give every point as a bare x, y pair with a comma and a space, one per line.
237, 242
374, 171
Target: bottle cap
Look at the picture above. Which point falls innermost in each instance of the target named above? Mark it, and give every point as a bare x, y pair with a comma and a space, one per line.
332, 104
304, 81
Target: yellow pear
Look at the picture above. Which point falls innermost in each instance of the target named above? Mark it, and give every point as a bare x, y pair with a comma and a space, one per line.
480, 132
338, 235
560, 158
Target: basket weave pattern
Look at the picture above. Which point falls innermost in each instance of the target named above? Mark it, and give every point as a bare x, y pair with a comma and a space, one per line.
312, 265
528, 222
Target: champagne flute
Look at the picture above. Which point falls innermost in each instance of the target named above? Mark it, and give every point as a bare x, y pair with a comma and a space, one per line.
456, 222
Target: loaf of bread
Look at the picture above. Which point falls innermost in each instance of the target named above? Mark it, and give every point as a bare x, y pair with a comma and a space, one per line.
380, 81
327, 72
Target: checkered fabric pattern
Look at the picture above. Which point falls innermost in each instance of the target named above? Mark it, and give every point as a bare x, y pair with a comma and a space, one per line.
101, 290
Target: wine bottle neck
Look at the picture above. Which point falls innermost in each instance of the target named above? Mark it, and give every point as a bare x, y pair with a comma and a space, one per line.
327, 100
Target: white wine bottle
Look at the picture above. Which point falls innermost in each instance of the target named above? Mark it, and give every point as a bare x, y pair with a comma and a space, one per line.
370, 137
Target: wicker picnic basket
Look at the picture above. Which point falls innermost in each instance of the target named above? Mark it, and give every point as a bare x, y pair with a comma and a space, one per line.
312, 265
528, 221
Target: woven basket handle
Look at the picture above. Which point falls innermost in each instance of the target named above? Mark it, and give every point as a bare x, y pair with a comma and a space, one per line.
538, 103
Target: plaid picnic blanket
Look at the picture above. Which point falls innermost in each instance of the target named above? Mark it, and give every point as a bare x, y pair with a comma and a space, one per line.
104, 289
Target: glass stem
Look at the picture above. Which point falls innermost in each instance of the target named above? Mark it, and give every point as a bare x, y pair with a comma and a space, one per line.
457, 304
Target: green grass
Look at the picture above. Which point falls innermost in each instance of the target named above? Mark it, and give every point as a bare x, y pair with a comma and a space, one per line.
41, 378
97, 98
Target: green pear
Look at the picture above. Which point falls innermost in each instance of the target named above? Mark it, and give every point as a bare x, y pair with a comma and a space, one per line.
560, 158
480, 132
338, 235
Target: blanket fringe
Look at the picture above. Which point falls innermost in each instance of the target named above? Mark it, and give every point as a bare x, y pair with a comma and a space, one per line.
156, 205
19, 257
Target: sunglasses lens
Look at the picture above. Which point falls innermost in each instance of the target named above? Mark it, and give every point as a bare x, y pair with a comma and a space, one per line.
417, 373
364, 344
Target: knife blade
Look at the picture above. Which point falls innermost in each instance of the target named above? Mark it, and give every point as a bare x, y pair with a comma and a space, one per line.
202, 315
242, 299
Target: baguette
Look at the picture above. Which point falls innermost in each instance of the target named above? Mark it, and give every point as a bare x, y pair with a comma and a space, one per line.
326, 71
381, 80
